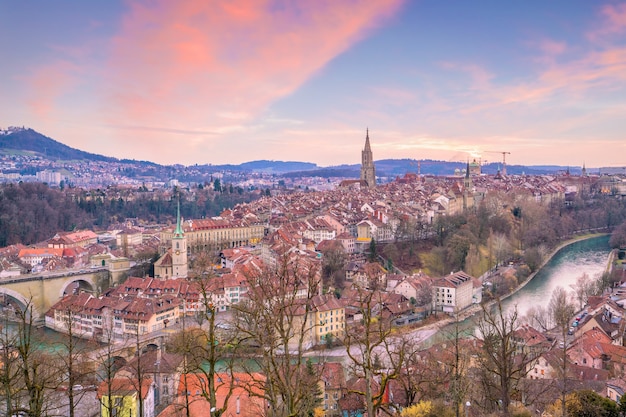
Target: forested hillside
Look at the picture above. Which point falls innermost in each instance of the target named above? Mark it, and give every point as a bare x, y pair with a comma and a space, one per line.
33, 212
30, 140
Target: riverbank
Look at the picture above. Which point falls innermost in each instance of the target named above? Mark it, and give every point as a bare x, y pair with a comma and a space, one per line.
432, 328
552, 254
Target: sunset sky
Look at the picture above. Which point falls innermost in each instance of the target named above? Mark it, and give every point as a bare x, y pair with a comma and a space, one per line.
199, 81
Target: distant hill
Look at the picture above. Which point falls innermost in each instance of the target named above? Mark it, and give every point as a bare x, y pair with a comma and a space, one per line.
270, 167
24, 139
398, 167
277, 166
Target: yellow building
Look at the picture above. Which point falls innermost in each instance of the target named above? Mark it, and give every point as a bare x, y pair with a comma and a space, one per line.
316, 320
120, 398
217, 233
329, 318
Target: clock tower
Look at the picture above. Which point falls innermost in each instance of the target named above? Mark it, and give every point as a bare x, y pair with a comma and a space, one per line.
179, 249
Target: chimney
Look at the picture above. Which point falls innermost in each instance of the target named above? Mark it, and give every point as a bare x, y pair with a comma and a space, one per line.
238, 405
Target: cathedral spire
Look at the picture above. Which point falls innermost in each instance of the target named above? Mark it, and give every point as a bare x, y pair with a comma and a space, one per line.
368, 170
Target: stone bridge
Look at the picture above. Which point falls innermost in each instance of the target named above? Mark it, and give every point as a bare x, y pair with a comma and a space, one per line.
45, 289
125, 351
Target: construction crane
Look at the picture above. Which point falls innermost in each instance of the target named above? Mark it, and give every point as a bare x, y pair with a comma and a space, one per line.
504, 153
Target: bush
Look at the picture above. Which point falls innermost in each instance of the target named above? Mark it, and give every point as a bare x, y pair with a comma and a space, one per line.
427, 409
520, 411
522, 272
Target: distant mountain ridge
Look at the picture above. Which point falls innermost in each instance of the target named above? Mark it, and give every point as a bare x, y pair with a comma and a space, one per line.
20, 139
25, 139
270, 167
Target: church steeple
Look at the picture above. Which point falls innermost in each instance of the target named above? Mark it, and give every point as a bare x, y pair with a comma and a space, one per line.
178, 232
368, 170
368, 148
179, 249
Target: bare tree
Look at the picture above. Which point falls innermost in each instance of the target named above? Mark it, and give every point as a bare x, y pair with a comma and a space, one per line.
137, 371
501, 248
502, 367
412, 372
107, 364
333, 266
275, 320
73, 369
369, 342
37, 373
459, 382
562, 310
583, 289
9, 371
538, 317
209, 350
424, 296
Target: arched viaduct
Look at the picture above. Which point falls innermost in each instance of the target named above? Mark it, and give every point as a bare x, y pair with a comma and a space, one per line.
43, 290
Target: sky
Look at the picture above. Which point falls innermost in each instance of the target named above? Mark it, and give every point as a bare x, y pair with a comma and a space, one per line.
212, 82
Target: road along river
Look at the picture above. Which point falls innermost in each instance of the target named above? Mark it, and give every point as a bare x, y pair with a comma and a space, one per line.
589, 256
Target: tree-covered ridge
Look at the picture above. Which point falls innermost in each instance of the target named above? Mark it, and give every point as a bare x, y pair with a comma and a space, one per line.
30, 140
501, 228
33, 212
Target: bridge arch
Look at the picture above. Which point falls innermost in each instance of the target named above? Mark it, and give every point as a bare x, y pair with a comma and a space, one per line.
152, 346
21, 300
83, 283
111, 366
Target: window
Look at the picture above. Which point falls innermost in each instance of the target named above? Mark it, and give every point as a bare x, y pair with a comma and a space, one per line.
117, 405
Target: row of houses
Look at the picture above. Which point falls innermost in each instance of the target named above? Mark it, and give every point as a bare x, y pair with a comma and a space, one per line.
167, 391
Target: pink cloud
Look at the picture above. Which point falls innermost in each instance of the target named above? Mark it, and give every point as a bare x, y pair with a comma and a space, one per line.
480, 76
397, 96
553, 48
612, 22
615, 15
48, 83
184, 63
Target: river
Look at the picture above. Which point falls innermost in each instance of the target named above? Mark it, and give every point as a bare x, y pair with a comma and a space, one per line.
588, 256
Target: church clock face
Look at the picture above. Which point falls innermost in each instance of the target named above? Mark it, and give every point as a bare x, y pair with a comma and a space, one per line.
177, 252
